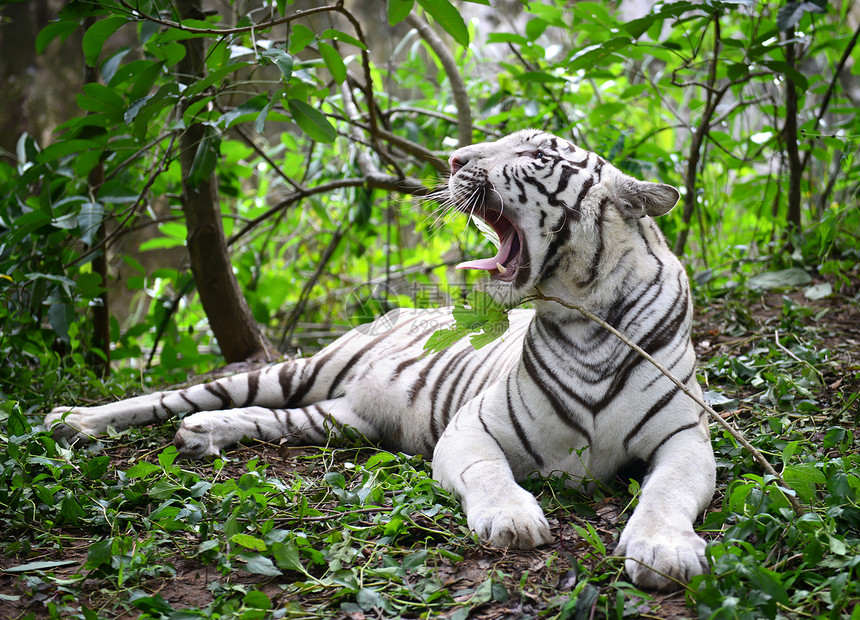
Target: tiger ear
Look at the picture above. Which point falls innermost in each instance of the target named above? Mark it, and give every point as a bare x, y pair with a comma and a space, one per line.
637, 199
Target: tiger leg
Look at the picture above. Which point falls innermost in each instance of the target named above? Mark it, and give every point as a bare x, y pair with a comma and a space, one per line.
661, 546
470, 462
272, 386
207, 432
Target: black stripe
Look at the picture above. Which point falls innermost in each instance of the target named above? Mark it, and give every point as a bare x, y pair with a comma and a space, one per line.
521, 435
356, 357
681, 429
216, 389
253, 387
594, 268
538, 376
285, 379
435, 412
182, 393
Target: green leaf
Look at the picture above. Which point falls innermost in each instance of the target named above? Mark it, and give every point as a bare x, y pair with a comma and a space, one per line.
61, 316
447, 16
99, 553
789, 72
481, 316
154, 606
637, 27
441, 339
535, 28
333, 62
260, 565
783, 279
112, 64
205, 159
594, 55
145, 75
398, 10
62, 148
17, 424
38, 566
790, 14
214, 78
167, 456
249, 110
141, 469
61, 28
803, 478
71, 510
101, 98
300, 38
312, 121
283, 60
257, 600
249, 542
164, 489
89, 219
96, 467
287, 557
337, 35
180, 34
260, 121
96, 35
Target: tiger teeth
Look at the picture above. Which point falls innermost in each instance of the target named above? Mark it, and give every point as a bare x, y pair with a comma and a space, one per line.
502, 269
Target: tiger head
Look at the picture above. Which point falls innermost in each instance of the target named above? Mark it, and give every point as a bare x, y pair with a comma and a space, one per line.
563, 217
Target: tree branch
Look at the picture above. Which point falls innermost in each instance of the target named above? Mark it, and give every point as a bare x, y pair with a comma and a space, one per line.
378, 180
141, 16
458, 87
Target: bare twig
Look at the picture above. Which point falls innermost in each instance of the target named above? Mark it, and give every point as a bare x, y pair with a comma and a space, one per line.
793, 356
309, 284
141, 16
458, 87
380, 180
713, 99
736, 434
846, 54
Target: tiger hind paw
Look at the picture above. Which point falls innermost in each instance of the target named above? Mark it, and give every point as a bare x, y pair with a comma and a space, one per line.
195, 440
69, 424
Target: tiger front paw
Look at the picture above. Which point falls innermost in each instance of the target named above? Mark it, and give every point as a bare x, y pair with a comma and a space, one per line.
516, 524
662, 560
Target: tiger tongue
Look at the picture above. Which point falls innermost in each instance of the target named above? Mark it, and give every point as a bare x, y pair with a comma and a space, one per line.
496, 263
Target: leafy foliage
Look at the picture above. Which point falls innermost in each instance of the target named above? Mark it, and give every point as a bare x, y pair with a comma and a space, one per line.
481, 317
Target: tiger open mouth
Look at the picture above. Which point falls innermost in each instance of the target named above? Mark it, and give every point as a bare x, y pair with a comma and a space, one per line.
505, 264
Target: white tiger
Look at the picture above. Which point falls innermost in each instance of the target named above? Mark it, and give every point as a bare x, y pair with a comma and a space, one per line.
556, 393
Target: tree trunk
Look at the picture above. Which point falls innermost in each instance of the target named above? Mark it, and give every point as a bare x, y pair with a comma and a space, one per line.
101, 310
229, 317
795, 170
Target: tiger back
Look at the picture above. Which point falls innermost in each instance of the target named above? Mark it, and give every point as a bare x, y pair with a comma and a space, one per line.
556, 393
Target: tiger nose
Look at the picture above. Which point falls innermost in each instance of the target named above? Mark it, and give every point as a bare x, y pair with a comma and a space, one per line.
456, 162
460, 158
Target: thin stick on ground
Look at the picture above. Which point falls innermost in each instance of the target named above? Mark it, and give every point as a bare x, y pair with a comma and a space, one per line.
736, 434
